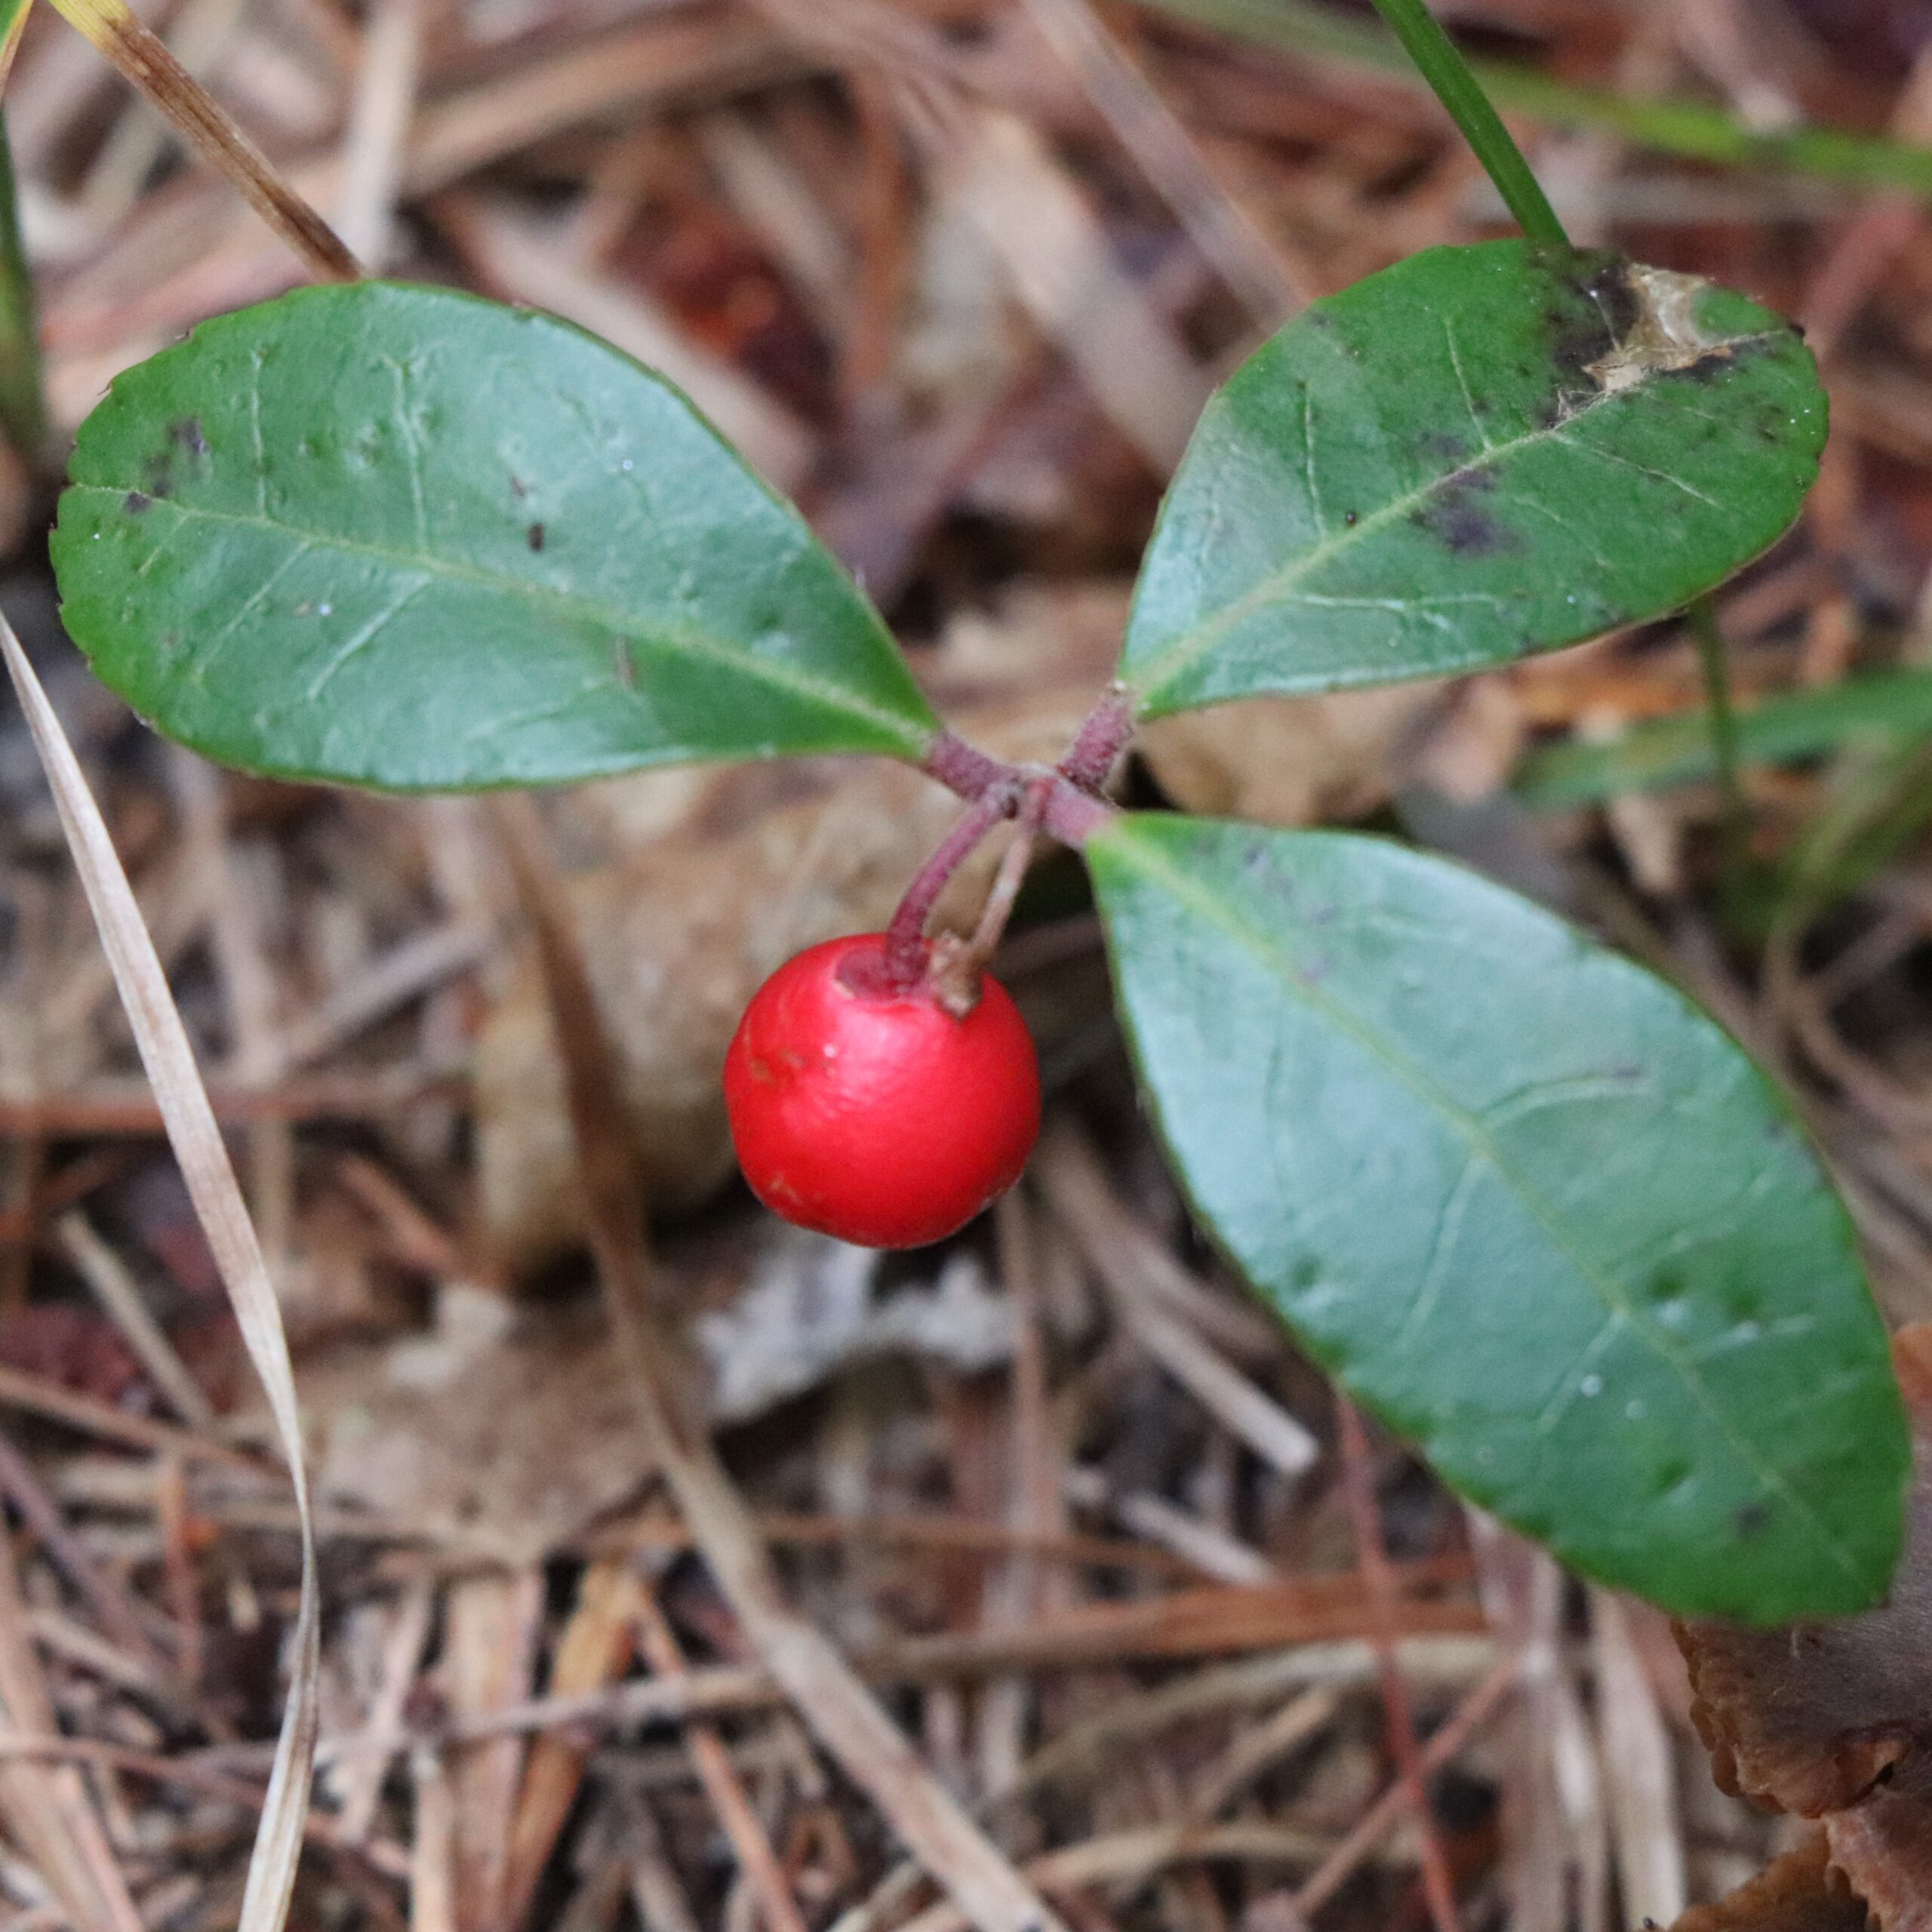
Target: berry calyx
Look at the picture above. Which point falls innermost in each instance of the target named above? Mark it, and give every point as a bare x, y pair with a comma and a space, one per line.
862, 1106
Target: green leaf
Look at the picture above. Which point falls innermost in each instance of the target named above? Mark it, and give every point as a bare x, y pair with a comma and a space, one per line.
1478, 453
402, 536
13, 25
1526, 1202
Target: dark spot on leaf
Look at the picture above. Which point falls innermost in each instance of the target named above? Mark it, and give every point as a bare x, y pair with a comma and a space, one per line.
1751, 1519
169, 641
1707, 369
186, 435
136, 501
517, 488
1459, 522
1439, 448
1594, 308
534, 536
1351, 518
160, 475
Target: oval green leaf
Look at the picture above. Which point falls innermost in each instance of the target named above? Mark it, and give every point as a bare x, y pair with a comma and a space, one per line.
1479, 453
405, 537
1526, 1201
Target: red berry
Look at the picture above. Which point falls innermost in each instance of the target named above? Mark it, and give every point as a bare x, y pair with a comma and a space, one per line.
863, 1109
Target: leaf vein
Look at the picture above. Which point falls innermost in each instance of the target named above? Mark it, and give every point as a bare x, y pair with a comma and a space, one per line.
1167, 664
680, 640
1213, 911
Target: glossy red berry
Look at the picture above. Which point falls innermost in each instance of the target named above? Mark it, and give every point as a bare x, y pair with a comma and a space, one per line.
864, 1109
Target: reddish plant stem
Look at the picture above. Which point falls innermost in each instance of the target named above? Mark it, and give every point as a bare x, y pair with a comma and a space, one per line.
1358, 1488
905, 938
956, 965
1065, 803
1071, 814
1102, 737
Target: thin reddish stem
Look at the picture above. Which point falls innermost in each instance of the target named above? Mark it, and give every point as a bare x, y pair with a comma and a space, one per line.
1102, 737
957, 965
1065, 803
905, 938
964, 768
1358, 1487
1072, 814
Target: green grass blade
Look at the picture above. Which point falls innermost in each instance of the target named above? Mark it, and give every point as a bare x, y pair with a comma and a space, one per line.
1686, 128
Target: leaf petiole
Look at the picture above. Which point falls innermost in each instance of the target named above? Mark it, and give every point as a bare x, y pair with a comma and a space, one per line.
1064, 801
1073, 811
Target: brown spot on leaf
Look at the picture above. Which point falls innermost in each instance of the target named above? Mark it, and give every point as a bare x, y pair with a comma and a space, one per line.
534, 536
136, 501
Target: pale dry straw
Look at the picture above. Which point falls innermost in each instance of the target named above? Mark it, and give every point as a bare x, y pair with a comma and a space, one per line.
190, 1125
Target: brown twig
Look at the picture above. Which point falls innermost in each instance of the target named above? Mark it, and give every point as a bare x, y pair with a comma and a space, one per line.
756, 1859
1359, 1487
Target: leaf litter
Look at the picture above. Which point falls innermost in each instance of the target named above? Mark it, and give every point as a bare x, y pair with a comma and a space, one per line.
1095, 1557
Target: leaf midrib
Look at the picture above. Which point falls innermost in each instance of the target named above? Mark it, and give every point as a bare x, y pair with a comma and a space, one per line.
1167, 664
698, 645
1213, 909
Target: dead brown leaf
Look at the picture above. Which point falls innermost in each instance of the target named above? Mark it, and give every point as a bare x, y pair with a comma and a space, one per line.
1287, 761
1834, 1721
1883, 1848
416, 1433
1797, 1894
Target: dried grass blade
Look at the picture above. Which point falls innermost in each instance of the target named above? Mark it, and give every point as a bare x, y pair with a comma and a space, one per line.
197, 1142
140, 55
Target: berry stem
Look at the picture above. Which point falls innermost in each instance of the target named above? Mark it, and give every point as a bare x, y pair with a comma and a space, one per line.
1065, 803
905, 938
956, 964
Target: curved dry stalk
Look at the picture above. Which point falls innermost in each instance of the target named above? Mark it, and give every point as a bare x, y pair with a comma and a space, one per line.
142, 58
192, 1132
